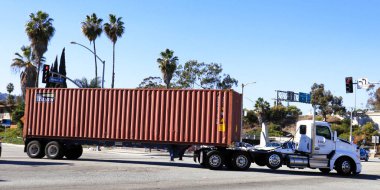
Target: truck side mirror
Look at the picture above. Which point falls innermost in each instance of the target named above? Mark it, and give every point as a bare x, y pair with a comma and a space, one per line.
335, 136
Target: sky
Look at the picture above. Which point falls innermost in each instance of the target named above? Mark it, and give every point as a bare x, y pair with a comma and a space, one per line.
280, 45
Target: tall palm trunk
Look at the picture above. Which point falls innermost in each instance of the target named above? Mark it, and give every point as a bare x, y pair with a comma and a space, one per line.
96, 64
113, 67
38, 69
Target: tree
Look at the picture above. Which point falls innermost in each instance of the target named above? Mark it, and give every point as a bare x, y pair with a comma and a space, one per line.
189, 74
211, 75
167, 64
23, 62
374, 100
227, 82
337, 105
262, 109
114, 29
62, 69
83, 83
250, 119
151, 82
321, 98
92, 28
40, 30
11, 98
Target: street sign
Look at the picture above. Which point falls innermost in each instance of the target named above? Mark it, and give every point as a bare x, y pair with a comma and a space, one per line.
56, 80
375, 139
363, 83
290, 96
304, 97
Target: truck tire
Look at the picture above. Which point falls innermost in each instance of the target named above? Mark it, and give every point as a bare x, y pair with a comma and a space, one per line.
274, 160
325, 170
35, 149
240, 161
54, 150
214, 160
73, 152
344, 166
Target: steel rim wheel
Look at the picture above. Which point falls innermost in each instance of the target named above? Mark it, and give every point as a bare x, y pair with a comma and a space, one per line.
274, 160
215, 160
34, 149
241, 161
346, 167
52, 150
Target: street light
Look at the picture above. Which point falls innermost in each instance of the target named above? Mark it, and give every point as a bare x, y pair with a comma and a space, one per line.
242, 109
103, 61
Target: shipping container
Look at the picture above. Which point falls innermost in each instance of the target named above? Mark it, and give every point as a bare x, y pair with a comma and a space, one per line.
162, 116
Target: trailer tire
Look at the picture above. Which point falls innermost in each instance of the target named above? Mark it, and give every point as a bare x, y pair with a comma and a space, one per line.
73, 152
344, 166
214, 160
35, 149
325, 170
240, 161
54, 150
274, 160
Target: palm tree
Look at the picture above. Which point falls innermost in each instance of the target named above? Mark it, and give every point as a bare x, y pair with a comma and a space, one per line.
168, 65
39, 30
92, 28
114, 29
83, 83
23, 62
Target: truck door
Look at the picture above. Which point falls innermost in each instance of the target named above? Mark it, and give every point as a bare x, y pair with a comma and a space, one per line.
324, 142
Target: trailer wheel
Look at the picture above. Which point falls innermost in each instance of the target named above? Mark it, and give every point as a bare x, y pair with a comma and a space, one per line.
35, 149
240, 161
274, 160
214, 160
73, 152
54, 150
325, 170
344, 166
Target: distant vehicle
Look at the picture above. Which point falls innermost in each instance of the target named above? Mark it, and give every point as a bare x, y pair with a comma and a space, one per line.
364, 155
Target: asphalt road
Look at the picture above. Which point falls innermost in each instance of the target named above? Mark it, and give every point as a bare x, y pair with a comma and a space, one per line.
136, 169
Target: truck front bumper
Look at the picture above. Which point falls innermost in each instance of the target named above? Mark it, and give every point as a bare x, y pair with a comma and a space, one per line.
358, 168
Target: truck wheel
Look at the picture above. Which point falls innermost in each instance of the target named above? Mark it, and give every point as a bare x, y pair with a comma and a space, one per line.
73, 152
274, 160
54, 150
344, 166
325, 170
35, 149
240, 161
214, 160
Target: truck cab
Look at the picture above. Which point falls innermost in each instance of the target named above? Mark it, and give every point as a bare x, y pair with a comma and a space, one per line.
324, 150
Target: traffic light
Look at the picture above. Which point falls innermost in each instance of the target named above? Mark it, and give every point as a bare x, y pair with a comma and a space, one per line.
45, 74
349, 85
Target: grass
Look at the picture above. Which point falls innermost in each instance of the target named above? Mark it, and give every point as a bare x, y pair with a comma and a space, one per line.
12, 136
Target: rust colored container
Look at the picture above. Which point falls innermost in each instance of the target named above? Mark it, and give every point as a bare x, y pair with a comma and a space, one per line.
192, 117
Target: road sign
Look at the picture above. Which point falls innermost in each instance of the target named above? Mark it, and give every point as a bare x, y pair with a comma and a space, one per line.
375, 139
304, 97
6, 122
56, 80
363, 83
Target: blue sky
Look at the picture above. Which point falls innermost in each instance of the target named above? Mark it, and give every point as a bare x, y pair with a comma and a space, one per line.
281, 45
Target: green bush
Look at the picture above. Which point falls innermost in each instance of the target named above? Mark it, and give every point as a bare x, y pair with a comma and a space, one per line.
13, 136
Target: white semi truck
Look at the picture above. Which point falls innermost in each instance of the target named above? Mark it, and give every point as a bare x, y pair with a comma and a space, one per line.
314, 146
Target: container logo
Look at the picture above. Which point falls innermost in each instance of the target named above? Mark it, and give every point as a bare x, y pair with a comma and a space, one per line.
45, 97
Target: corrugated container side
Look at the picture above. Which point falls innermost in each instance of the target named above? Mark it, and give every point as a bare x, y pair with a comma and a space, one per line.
208, 117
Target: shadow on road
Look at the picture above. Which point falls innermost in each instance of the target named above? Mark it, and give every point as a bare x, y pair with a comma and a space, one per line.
311, 173
31, 163
176, 164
